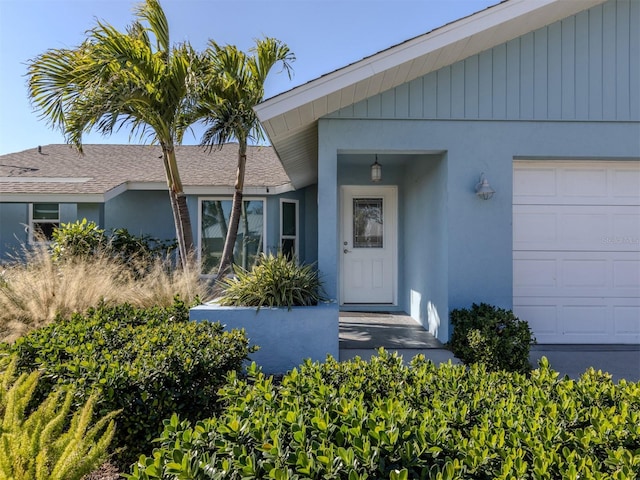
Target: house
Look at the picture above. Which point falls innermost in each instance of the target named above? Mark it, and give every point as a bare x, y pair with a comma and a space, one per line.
537, 101
124, 186
495, 159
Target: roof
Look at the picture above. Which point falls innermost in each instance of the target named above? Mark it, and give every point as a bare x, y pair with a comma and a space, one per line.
59, 173
291, 118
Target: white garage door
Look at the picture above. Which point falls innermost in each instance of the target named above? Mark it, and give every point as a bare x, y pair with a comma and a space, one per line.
576, 250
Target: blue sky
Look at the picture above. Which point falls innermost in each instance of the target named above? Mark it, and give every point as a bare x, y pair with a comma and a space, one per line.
324, 35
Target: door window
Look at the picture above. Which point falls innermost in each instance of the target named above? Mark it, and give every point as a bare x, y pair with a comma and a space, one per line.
367, 223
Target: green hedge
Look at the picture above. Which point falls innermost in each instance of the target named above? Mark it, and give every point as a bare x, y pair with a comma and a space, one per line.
149, 363
380, 419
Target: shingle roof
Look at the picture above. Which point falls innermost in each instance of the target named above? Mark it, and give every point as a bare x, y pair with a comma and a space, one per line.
60, 169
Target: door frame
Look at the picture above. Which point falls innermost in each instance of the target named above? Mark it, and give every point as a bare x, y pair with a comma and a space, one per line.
373, 190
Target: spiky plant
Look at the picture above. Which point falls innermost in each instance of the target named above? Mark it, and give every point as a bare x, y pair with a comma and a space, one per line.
44, 444
276, 281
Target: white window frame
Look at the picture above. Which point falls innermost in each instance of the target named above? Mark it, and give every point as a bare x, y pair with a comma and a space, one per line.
295, 237
33, 221
230, 199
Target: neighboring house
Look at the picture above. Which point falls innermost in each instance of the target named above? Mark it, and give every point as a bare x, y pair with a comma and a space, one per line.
540, 96
124, 186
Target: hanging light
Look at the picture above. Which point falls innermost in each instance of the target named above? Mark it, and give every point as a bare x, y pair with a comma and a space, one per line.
483, 189
376, 171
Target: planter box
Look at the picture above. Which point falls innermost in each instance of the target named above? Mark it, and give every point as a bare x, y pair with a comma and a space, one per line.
285, 337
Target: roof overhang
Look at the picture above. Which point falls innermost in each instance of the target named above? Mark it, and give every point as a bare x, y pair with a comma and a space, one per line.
291, 118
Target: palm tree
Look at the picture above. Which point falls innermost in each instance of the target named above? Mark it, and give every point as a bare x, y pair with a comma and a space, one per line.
234, 86
133, 78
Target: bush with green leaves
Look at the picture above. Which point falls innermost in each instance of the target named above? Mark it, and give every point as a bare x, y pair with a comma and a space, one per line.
48, 441
149, 363
384, 419
84, 239
276, 281
493, 336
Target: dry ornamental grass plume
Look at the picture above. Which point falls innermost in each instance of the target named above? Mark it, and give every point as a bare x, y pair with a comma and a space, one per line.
35, 289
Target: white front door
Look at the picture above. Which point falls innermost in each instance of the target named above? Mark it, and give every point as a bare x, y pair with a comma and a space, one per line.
368, 245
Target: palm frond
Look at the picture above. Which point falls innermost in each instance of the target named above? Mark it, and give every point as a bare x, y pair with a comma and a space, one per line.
152, 12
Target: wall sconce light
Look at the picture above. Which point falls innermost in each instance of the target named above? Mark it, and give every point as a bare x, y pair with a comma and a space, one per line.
376, 171
483, 189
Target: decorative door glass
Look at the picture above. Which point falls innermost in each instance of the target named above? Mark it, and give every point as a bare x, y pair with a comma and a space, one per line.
367, 223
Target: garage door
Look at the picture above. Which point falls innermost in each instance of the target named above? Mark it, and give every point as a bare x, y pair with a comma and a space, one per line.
576, 250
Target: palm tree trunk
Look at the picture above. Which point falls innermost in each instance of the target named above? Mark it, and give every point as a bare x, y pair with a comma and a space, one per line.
236, 210
245, 237
179, 207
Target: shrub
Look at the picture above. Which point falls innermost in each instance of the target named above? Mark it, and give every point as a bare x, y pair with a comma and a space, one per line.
81, 238
43, 444
86, 239
382, 419
277, 281
493, 336
147, 362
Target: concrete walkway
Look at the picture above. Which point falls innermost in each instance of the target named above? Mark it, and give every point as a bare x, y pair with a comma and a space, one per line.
361, 334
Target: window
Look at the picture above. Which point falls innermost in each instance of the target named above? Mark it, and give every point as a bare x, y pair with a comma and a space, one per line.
367, 223
214, 219
43, 219
289, 228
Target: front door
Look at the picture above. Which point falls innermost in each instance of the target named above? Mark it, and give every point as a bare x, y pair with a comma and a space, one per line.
368, 253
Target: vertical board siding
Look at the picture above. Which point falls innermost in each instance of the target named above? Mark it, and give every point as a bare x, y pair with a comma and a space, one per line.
634, 53
585, 67
443, 93
596, 72
609, 61
416, 90
622, 60
554, 72
513, 79
485, 84
471, 87
429, 98
540, 73
457, 90
568, 55
582, 66
527, 97
499, 76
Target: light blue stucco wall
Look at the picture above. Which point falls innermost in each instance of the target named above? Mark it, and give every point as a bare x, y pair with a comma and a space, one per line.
14, 218
472, 244
144, 213
426, 242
